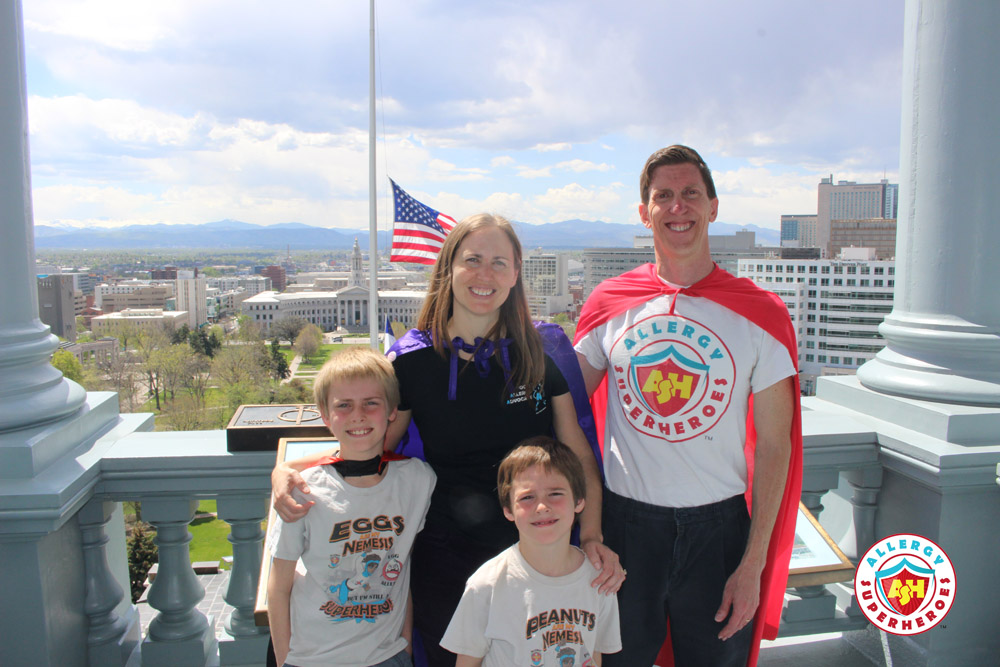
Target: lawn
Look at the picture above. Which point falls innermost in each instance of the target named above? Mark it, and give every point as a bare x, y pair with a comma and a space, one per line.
209, 534
316, 361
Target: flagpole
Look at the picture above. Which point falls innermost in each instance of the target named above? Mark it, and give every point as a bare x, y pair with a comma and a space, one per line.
373, 324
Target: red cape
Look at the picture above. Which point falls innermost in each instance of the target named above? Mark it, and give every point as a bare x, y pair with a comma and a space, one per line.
740, 295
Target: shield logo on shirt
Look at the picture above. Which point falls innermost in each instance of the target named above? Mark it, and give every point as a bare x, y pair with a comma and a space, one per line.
904, 587
667, 380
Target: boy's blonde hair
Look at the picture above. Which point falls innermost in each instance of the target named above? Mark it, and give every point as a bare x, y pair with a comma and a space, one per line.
356, 362
544, 451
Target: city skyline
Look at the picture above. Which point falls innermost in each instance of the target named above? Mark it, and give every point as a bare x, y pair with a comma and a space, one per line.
190, 112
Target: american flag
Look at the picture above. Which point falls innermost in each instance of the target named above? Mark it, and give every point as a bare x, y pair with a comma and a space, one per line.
418, 230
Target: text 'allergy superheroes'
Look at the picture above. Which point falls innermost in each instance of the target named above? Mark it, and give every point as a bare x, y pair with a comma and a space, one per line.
678, 380
905, 584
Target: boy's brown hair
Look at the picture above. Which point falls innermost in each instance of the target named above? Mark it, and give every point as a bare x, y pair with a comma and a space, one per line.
356, 362
544, 451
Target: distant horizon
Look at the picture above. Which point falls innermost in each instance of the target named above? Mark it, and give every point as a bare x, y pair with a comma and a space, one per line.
61, 225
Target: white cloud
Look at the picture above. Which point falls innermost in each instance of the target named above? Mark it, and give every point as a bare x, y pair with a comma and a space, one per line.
583, 165
577, 201
528, 172
548, 148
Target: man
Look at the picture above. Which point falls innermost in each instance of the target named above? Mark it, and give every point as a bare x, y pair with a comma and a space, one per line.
701, 407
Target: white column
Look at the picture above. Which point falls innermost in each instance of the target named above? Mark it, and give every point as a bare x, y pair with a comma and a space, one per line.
942, 335
31, 390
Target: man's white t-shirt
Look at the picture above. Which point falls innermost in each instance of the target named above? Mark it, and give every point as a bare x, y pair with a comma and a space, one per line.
678, 390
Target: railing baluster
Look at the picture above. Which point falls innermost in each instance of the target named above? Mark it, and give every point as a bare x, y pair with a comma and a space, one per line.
180, 633
244, 514
110, 637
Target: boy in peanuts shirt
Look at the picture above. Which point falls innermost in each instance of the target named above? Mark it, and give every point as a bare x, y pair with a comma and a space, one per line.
533, 603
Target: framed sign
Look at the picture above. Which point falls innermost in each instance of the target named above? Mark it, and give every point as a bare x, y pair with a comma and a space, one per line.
289, 449
816, 559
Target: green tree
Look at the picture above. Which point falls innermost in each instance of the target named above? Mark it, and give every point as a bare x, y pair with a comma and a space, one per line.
293, 392
184, 414
308, 341
197, 377
242, 373
247, 331
120, 374
180, 334
171, 365
203, 342
70, 366
278, 361
288, 328
147, 341
142, 553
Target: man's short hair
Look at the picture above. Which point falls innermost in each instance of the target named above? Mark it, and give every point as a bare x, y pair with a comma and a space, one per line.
547, 452
356, 362
675, 154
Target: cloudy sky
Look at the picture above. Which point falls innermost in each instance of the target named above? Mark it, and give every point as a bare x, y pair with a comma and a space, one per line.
191, 111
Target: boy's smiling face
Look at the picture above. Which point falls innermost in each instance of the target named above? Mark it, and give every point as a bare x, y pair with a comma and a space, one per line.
542, 505
357, 415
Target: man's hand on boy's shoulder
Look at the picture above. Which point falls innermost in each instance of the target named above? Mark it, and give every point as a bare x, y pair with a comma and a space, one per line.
612, 574
285, 479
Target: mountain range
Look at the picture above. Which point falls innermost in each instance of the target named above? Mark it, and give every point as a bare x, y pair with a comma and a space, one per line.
236, 235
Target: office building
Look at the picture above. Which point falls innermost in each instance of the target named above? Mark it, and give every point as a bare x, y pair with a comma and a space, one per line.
849, 200
546, 282
836, 306
876, 233
57, 304
277, 276
192, 298
347, 308
798, 230
145, 318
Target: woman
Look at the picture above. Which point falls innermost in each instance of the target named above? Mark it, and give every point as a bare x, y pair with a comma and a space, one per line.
475, 381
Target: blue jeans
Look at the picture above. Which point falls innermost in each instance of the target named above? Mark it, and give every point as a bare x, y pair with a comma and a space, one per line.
678, 561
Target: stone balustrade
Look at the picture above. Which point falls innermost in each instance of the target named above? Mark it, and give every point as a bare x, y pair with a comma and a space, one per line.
168, 472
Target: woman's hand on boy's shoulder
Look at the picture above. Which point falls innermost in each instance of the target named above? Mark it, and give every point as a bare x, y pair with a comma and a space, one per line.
284, 479
612, 574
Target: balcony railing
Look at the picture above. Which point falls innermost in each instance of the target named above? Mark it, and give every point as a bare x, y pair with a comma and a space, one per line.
169, 472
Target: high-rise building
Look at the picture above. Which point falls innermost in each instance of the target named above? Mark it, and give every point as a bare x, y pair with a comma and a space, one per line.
800, 228
599, 264
277, 276
192, 297
546, 282
876, 233
836, 306
166, 273
849, 200
57, 305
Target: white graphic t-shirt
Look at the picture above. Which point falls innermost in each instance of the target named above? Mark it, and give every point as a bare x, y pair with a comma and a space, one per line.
349, 606
678, 389
513, 616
